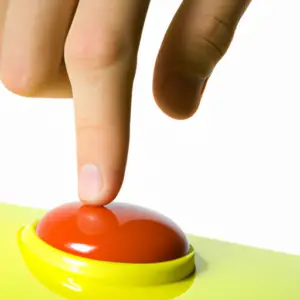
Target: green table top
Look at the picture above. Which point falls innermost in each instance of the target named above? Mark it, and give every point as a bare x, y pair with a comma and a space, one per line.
225, 271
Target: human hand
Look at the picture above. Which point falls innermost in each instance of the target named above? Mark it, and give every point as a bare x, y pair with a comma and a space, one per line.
87, 50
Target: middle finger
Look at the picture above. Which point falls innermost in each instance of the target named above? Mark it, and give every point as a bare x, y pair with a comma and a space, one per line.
33, 42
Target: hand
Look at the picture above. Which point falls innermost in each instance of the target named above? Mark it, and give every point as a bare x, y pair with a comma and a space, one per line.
88, 49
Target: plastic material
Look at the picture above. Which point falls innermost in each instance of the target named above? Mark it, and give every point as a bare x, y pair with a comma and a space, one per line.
224, 271
118, 232
48, 264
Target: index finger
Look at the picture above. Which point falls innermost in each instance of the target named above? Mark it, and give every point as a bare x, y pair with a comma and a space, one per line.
100, 56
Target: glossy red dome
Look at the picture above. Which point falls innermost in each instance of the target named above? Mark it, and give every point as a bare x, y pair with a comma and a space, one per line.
117, 233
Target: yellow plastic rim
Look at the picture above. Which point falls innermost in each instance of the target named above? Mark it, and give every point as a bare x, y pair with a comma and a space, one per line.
107, 272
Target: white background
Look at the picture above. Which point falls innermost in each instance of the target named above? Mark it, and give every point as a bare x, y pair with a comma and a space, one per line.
232, 172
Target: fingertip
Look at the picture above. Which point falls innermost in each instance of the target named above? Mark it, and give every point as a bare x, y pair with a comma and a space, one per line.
96, 188
105, 197
90, 183
22, 80
178, 95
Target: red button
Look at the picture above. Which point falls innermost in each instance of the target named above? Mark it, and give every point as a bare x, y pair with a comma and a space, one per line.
117, 233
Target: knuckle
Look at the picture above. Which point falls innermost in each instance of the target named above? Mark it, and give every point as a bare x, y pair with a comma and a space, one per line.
96, 52
216, 33
90, 131
86, 128
209, 43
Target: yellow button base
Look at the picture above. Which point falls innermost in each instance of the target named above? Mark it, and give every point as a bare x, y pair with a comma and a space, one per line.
81, 278
224, 271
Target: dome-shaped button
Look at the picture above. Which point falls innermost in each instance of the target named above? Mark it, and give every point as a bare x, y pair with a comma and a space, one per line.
116, 233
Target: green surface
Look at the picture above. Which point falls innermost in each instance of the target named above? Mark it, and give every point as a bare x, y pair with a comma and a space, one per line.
230, 272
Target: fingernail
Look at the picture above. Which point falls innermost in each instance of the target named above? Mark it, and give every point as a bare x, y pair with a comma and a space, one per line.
90, 183
184, 92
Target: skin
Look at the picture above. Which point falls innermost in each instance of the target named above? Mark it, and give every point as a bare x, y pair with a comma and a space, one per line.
87, 50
